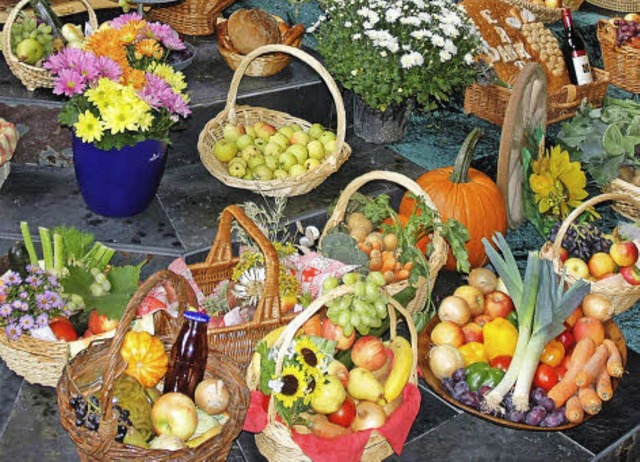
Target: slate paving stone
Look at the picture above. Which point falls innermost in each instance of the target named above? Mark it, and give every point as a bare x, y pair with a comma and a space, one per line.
235, 455
433, 412
247, 443
11, 384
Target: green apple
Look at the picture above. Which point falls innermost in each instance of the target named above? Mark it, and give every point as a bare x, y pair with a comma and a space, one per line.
249, 152
248, 176
286, 160
271, 161
244, 140
273, 149
262, 173
174, 414
326, 137
295, 127
237, 169
225, 150
315, 131
330, 147
238, 160
300, 138
250, 131
297, 170
315, 149
260, 144
233, 132
255, 161
280, 174
264, 130
286, 131
280, 139
311, 164
299, 151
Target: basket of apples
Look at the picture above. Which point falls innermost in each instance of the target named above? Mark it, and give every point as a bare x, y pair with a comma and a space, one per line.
272, 152
584, 253
620, 44
322, 393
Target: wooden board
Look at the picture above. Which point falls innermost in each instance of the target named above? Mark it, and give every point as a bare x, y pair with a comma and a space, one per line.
61, 7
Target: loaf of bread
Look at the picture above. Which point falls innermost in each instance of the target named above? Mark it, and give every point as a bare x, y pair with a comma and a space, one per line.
250, 29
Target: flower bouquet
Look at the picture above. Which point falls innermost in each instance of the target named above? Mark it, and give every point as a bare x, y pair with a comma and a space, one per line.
124, 100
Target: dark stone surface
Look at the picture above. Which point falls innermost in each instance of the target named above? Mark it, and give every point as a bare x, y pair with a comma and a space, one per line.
11, 384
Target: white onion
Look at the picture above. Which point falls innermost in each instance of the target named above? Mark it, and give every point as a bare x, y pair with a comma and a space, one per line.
454, 309
483, 279
597, 306
444, 360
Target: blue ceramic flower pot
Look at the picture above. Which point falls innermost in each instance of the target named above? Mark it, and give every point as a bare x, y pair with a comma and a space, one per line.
119, 182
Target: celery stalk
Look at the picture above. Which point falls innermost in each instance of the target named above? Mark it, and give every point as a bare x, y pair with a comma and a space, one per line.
106, 257
47, 250
58, 252
28, 243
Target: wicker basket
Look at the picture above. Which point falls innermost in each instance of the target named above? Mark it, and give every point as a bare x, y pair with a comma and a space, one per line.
573, 5
266, 65
100, 445
248, 115
624, 6
623, 297
622, 62
542, 13
440, 248
275, 441
32, 77
489, 102
625, 208
238, 342
190, 17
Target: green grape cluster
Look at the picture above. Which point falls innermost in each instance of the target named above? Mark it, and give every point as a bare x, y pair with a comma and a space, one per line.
364, 309
28, 28
101, 285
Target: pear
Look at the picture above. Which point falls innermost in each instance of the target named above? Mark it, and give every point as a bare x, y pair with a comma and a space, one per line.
363, 385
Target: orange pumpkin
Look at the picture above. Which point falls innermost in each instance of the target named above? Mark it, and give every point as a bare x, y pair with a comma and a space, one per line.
146, 358
469, 196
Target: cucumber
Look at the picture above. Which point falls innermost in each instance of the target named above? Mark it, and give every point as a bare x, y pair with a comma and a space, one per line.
19, 258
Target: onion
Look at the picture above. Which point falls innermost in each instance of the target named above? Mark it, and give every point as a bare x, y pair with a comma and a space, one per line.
454, 309
597, 306
484, 279
447, 333
167, 441
212, 396
444, 360
368, 415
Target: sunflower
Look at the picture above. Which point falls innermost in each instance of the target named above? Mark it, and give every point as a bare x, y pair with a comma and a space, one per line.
294, 386
557, 183
308, 354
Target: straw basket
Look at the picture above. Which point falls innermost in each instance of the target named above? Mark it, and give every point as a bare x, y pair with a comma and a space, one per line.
622, 297
622, 62
542, 13
440, 248
489, 102
265, 65
32, 77
573, 5
624, 6
624, 208
190, 17
275, 441
100, 445
248, 115
238, 342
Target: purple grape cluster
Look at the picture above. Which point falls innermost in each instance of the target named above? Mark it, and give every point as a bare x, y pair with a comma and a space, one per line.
582, 240
542, 411
626, 30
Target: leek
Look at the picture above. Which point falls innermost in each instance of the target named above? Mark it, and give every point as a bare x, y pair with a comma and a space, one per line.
28, 243
58, 252
47, 250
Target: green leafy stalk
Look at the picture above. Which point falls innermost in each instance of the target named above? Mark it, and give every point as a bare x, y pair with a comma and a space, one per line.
28, 243
76, 243
47, 249
58, 252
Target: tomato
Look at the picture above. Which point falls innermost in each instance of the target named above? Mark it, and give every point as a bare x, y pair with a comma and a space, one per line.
63, 329
566, 338
345, 413
545, 377
566, 359
501, 362
553, 353
561, 371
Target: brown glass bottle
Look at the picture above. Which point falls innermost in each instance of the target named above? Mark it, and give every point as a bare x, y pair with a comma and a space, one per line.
188, 359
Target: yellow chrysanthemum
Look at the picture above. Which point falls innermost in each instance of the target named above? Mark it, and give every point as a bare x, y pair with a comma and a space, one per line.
145, 121
173, 78
293, 386
307, 353
557, 183
103, 94
118, 118
88, 127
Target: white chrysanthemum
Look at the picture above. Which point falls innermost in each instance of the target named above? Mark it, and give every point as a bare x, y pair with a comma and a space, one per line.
392, 15
357, 36
449, 30
348, 24
367, 25
383, 39
445, 56
411, 21
411, 59
468, 58
424, 16
437, 40
383, 54
419, 34
450, 47
418, 3
354, 72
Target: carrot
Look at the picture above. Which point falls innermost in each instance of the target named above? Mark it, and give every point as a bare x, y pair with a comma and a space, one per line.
375, 264
573, 410
614, 363
375, 254
408, 265
325, 429
401, 275
564, 389
591, 369
388, 276
591, 402
365, 247
603, 385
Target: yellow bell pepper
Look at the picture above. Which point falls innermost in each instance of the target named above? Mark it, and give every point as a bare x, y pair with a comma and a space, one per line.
473, 352
553, 353
500, 338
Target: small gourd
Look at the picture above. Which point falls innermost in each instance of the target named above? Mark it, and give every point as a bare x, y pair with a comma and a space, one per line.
146, 358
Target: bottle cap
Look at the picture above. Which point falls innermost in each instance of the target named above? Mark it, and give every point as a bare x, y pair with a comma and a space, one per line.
196, 316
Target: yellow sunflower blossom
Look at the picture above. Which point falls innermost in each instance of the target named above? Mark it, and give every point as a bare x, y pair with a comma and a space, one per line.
293, 386
88, 127
308, 354
557, 183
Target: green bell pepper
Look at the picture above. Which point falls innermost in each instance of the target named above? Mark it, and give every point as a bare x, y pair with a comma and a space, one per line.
476, 375
493, 377
513, 319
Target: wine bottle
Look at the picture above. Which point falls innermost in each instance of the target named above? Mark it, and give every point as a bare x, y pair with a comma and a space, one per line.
43, 10
575, 52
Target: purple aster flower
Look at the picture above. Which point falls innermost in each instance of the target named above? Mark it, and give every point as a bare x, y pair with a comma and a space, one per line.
5, 310
23, 295
66, 311
108, 68
3, 290
24, 306
16, 305
34, 269
52, 280
42, 302
55, 300
33, 281
26, 322
69, 82
12, 278
169, 37
42, 320
123, 19
13, 331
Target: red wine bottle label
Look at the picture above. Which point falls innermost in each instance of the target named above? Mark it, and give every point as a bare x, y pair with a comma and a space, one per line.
580, 62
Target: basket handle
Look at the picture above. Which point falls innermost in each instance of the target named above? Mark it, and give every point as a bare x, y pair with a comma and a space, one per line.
606, 32
6, 32
572, 101
290, 331
221, 251
230, 107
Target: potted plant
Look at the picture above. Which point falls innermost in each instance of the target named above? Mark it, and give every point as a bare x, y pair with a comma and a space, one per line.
124, 100
394, 53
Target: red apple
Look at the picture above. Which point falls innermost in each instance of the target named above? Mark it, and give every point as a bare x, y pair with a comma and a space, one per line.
600, 264
564, 254
472, 332
498, 304
482, 319
99, 323
332, 331
369, 352
345, 413
577, 314
576, 267
624, 253
631, 274
589, 327
174, 414
63, 329
339, 370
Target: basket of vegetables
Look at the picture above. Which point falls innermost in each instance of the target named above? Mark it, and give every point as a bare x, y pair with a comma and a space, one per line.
539, 357
271, 152
111, 406
307, 390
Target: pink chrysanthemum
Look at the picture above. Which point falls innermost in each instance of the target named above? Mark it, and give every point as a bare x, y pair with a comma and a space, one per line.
69, 83
108, 68
88, 68
165, 34
158, 93
123, 19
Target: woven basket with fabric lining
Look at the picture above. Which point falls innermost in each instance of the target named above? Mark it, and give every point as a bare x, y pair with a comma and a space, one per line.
542, 13
248, 115
32, 77
440, 248
105, 357
621, 62
624, 6
622, 297
275, 442
190, 17
489, 102
238, 342
625, 208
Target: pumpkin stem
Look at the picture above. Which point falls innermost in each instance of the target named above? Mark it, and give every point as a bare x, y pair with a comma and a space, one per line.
463, 161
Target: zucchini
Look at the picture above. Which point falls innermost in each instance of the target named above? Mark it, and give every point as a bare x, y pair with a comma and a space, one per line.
19, 258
